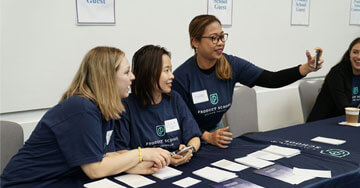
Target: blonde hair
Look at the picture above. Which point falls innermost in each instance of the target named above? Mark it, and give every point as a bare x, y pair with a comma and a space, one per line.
196, 30
96, 80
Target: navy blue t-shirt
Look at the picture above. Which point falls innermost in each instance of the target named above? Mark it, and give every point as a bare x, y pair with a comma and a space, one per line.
208, 97
166, 125
355, 97
69, 135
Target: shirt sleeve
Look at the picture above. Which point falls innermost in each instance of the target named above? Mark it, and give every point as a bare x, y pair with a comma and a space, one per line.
243, 71
190, 128
80, 138
278, 79
122, 131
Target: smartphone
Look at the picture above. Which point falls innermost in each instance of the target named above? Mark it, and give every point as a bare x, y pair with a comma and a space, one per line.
180, 152
317, 57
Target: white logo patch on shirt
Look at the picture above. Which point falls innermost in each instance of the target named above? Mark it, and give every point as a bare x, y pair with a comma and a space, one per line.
108, 136
171, 125
200, 96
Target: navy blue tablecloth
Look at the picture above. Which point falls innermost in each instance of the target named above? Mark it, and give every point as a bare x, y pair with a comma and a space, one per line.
342, 160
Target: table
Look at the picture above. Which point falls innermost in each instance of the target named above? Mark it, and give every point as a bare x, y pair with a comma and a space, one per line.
342, 160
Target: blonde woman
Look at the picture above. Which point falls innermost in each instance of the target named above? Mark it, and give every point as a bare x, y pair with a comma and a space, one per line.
73, 141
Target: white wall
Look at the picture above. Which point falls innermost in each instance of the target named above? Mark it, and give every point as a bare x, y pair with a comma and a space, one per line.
42, 46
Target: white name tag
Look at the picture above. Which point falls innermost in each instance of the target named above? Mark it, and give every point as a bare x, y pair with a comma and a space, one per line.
171, 125
108, 136
200, 96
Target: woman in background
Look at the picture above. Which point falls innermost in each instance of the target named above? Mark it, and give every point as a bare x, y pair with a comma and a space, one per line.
155, 115
206, 80
73, 141
341, 86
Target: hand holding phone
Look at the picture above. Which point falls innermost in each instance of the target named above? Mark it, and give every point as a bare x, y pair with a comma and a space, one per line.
317, 57
183, 151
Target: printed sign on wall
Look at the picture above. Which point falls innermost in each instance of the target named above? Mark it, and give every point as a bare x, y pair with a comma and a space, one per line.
355, 12
222, 9
95, 12
300, 12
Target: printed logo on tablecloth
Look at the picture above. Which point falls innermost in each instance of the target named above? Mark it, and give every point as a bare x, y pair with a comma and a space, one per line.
335, 152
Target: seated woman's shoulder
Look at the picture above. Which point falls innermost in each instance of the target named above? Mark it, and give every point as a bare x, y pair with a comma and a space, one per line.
78, 103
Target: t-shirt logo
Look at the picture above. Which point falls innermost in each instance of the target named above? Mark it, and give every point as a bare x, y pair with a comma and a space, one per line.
160, 130
355, 90
214, 99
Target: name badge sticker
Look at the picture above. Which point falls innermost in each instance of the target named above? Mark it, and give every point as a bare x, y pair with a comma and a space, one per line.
200, 96
108, 136
171, 125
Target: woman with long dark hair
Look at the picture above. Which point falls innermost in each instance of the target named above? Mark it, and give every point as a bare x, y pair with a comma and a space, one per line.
341, 86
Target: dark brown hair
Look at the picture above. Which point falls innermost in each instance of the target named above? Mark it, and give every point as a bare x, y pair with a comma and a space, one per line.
196, 30
147, 67
346, 57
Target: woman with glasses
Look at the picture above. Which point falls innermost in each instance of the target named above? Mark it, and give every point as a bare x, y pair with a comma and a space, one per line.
155, 115
74, 140
206, 80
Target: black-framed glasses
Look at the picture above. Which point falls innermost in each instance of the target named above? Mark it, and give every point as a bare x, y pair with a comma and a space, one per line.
215, 39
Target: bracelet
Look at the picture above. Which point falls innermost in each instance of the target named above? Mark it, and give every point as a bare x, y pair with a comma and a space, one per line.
140, 155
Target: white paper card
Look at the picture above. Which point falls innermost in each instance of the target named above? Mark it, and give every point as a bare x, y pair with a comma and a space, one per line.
103, 183
167, 172
355, 12
229, 165
95, 12
222, 9
200, 96
265, 155
253, 162
314, 173
215, 174
283, 151
186, 182
325, 140
171, 125
135, 180
108, 136
300, 12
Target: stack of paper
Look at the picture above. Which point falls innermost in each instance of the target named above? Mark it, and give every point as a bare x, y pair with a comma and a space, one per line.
167, 172
215, 174
283, 151
253, 162
103, 183
261, 154
325, 140
229, 165
135, 180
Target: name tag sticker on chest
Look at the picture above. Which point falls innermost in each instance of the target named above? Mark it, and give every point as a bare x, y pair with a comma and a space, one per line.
171, 125
200, 96
108, 136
